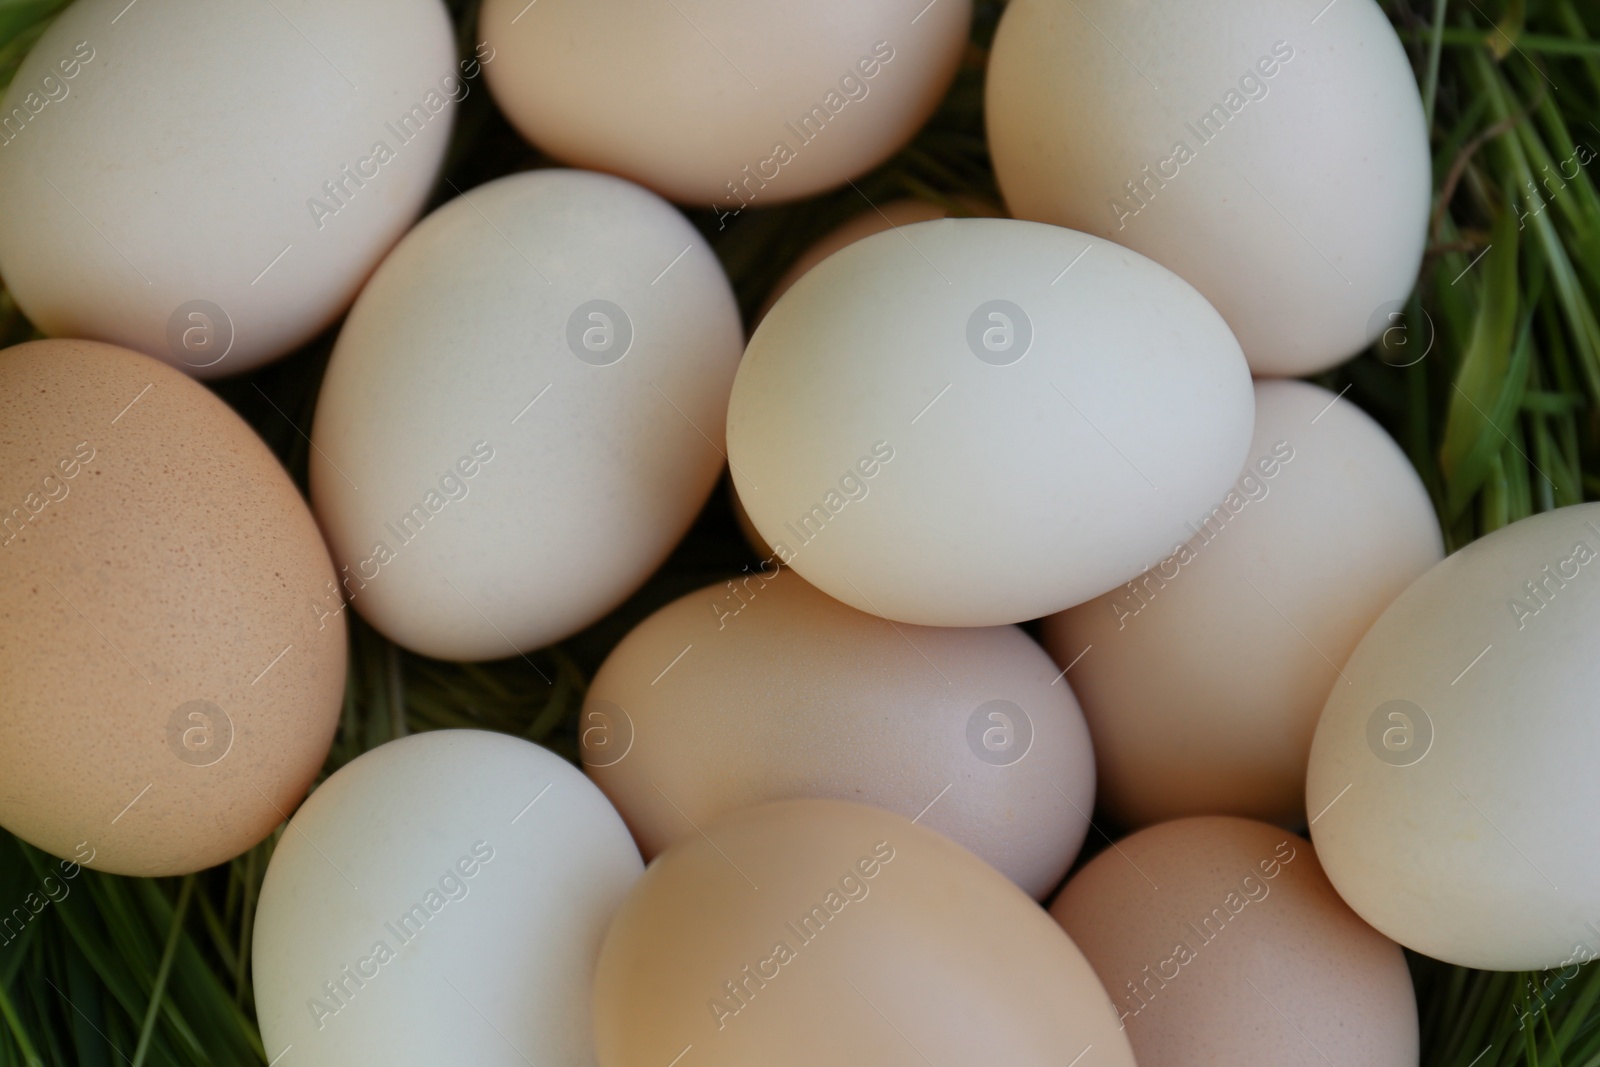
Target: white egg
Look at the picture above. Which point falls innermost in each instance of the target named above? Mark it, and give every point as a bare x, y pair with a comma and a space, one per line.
523, 413
971, 422
1274, 155
441, 899
210, 181
730, 103
1192, 715
1452, 784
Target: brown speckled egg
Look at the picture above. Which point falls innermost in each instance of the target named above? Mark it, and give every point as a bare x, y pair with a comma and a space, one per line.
172, 645
1220, 940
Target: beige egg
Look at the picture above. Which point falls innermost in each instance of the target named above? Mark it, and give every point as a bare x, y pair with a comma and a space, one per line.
747, 529
1273, 155
172, 645
1195, 715
975, 422
1221, 941
736, 103
1454, 776
875, 219
813, 931
764, 688
523, 413
211, 182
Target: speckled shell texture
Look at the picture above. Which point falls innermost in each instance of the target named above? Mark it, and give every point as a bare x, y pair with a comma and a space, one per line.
172, 648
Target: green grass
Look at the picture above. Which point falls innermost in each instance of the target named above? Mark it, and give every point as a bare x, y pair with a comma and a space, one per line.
1499, 417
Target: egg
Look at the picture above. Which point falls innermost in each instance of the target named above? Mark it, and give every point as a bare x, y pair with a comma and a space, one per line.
731, 103
875, 219
973, 422
747, 530
818, 931
523, 413
172, 651
763, 688
440, 899
1328, 524
210, 182
1452, 778
1273, 155
1221, 941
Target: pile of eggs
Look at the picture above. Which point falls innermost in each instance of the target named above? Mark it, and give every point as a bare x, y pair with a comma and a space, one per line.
852, 774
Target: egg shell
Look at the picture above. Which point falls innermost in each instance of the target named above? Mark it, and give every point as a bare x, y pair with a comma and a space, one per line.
1275, 157
201, 180
172, 653
1035, 414
489, 482
1454, 773
1328, 524
1221, 941
486, 867
752, 537
763, 688
723, 102
875, 219
818, 931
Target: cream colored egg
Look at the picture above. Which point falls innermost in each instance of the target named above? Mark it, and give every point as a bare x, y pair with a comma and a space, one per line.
763, 688
731, 103
172, 651
441, 899
972, 422
875, 219
1221, 941
751, 535
1203, 677
1274, 156
1452, 775
523, 413
210, 181
815, 931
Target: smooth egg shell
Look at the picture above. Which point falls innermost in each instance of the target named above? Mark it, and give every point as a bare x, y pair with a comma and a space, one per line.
1274, 157
875, 219
523, 413
1221, 941
172, 649
1455, 773
207, 185
723, 102
817, 931
441, 899
781, 691
972, 422
1192, 715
